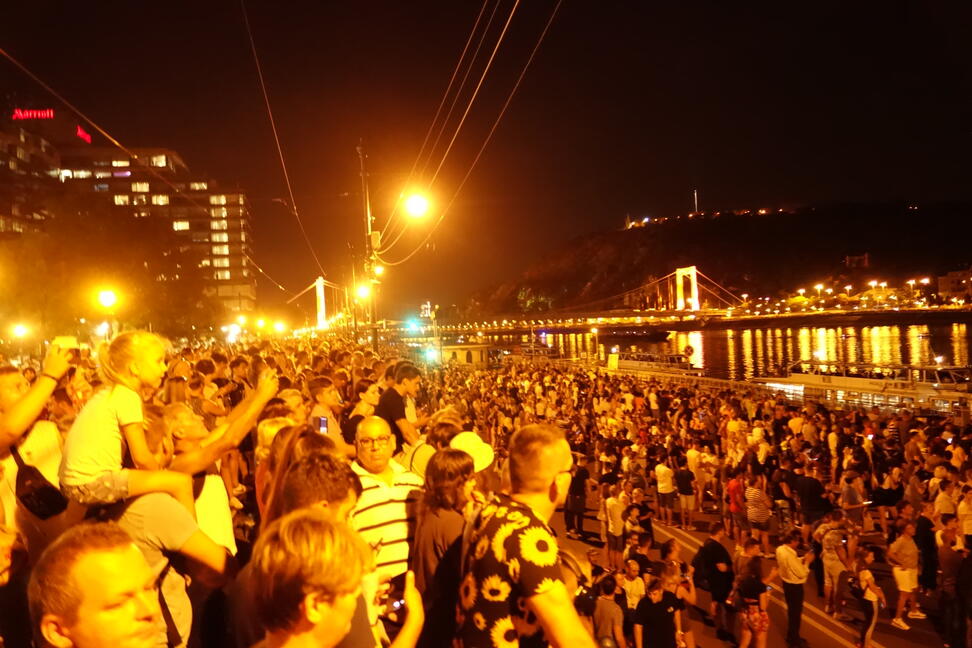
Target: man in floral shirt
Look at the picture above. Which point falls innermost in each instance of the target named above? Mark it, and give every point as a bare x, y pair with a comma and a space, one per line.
512, 593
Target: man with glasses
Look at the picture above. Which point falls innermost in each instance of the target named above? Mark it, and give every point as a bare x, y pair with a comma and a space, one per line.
385, 512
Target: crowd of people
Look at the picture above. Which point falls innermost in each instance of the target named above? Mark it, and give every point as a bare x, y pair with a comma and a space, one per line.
315, 492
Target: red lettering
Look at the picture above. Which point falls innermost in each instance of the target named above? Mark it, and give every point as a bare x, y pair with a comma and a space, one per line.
29, 113
83, 135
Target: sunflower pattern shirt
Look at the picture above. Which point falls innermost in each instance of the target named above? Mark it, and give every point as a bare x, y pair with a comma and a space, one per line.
511, 556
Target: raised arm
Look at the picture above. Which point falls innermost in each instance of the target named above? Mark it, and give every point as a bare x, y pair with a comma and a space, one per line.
22, 414
561, 625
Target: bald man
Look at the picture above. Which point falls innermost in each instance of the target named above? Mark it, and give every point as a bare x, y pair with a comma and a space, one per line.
513, 555
385, 512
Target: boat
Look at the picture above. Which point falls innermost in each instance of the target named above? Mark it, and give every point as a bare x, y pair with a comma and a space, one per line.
672, 363
936, 389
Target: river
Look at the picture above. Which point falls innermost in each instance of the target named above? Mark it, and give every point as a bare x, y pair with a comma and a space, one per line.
745, 353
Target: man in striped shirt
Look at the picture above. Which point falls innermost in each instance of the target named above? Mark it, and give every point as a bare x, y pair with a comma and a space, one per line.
386, 510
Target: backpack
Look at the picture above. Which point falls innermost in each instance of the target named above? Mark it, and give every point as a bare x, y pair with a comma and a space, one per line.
853, 586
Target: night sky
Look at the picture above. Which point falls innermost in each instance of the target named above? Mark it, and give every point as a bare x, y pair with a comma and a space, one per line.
627, 107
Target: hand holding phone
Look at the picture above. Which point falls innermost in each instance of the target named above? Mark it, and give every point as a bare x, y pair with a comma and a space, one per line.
322, 425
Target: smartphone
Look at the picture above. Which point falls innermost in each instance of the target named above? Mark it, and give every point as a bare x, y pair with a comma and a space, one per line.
70, 343
322, 424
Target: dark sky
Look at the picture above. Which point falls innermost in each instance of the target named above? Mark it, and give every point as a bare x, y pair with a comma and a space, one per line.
628, 106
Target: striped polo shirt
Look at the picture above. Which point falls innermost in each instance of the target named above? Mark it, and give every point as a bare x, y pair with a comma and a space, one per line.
385, 516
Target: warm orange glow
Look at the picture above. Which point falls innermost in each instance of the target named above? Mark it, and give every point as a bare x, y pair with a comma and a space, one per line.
416, 205
107, 298
363, 291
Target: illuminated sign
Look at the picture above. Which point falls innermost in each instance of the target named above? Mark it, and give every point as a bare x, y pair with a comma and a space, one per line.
21, 113
83, 135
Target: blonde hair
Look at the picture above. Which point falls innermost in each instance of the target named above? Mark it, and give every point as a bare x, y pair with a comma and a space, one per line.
266, 431
302, 553
115, 357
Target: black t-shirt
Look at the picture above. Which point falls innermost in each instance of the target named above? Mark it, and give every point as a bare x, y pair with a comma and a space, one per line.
683, 480
657, 621
578, 483
391, 407
811, 494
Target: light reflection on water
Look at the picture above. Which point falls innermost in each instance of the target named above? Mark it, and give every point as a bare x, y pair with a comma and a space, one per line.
746, 353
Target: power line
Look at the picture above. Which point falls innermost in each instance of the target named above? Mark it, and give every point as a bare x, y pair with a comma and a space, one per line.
276, 138
469, 105
124, 148
489, 136
389, 227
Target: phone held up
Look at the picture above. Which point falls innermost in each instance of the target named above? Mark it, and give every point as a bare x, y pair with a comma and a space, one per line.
70, 343
322, 425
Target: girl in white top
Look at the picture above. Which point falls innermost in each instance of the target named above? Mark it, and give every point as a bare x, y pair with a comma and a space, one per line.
872, 594
92, 466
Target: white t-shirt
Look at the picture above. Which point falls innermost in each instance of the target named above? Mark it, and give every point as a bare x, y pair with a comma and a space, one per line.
95, 443
615, 515
665, 477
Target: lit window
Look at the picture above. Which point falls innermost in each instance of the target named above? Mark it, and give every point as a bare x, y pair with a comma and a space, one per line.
243, 236
82, 174
140, 186
101, 187
119, 163
22, 155
219, 212
102, 174
222, 275
157, 161
140, 199
198, 186
217, 224
142, 214
180, 226
121, 199
221, 262
220, 249
160, 199
220, 237
205, 263
66, 173
217, 200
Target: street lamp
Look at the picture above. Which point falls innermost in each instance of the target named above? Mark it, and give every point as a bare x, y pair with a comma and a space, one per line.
19, 331
260, 323
818, 288
800, 291
872, 283
363, 291
379, 270
416, 205
279, 327
241, 320
107, 298
924, 281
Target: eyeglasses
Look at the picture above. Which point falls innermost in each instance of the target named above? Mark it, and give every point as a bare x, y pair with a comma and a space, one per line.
375, 442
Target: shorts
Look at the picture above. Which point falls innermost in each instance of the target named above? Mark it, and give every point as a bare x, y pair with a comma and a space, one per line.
833, 567
905, 579
756, 619
759, 526
687, 502
739, 519
615, 542
106, 488
666, 500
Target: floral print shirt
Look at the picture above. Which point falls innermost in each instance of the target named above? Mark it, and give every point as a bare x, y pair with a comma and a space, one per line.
511, 555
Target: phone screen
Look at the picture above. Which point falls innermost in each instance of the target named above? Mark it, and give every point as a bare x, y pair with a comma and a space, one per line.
322, 424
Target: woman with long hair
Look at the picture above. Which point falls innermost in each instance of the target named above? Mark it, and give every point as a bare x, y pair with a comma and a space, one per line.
755, 598
436, 552
871, 594
288, 445
365, 399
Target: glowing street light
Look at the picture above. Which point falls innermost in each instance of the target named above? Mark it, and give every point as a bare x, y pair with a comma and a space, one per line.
872, 283
818, 288
107, 298
19, 331
416, 205
261, 323
279, 327
924, 281
363, 291
379, 270
241, 320
800, 291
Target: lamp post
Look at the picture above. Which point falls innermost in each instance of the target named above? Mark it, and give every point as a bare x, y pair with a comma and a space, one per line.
108, 299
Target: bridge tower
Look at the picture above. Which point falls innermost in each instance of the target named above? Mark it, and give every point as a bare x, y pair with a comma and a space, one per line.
681, 274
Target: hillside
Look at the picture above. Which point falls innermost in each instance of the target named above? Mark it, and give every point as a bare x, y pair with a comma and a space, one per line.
758, 254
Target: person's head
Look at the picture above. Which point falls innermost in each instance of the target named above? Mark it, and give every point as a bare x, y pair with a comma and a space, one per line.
655, 589
367, 391
408, 378
669, 550
753, 567
375, 444
449, 480
305, 577
644, 542
908, 529
608, 586
717, 530
267, 430
440, 434
182, 424
793, 538
632, 569
865, 556
751, 547
92, 587
13, 386
295, 402
135, 359
540, 462
239, 367
318, 479
206, 368
324, 392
